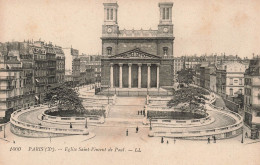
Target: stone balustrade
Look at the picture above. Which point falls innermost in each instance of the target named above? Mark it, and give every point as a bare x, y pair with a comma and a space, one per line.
33, 130
57, 119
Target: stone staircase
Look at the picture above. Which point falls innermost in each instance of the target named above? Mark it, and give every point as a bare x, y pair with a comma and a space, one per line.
125, 112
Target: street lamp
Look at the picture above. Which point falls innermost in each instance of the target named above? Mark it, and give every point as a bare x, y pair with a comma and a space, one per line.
150, 123
4, 131
242, 140
108, 95
86, 124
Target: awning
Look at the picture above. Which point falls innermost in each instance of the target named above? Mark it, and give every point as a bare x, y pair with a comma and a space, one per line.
37, 80
37, 98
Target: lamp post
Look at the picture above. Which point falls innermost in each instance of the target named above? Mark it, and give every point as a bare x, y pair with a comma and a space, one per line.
108, 94
4, 131
242, 140
150, 123
86, 124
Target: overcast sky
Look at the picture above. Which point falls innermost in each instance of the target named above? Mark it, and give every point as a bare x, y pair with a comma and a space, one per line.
200, 26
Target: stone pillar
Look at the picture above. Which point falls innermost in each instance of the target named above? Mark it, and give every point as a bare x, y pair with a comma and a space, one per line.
158, 74
120, 75
129, 75
111, 75
148, 75
139, 75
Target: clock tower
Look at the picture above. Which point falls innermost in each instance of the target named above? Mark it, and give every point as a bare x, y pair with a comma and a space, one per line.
110, 27
165, 27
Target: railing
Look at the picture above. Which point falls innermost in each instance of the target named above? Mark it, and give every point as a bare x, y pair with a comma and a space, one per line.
6, 77
6, 87
204, 133
136, 93
207, 132
40, 128
2, 126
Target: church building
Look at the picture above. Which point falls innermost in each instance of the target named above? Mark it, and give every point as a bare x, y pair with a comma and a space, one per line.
137, 58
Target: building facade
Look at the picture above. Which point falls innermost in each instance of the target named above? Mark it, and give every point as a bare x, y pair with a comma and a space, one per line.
137, 58
37, 71
11, 84
252, 93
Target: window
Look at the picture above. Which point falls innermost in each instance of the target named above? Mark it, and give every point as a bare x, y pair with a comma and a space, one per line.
107, 14
111, 17
231, 81
167, 13
109, 50
231, 91
165, 51
163, 13
258, 114
240, 81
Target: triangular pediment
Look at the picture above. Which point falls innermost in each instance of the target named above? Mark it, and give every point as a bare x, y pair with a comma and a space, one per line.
136, 54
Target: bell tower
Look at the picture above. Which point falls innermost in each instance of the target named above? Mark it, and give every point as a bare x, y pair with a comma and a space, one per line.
165, 26
110, 26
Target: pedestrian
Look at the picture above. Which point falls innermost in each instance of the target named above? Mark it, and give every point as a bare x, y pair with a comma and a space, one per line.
138, 112
141, 112
137, 129
214, 138
144, 112
70, 125
208, 140
126, 132
162, 140
42, 117
246, 135
167, 142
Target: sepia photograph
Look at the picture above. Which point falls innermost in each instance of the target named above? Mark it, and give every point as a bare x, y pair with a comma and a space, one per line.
130, 82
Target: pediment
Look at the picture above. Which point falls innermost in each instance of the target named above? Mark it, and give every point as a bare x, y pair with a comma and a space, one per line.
136, 54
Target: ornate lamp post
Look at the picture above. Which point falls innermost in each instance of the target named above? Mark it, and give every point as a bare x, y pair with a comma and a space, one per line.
4, 131
242, 140
150, 123
108, 93
86, 124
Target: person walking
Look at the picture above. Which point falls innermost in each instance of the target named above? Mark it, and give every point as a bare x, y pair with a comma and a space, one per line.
141, 112
208, 140
246, 135
126, 132
138, 112
214, 138
137, 129
162, 140
70, 125
144, 112
167, 142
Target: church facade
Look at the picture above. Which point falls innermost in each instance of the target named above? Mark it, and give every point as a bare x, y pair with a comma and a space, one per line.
137, 58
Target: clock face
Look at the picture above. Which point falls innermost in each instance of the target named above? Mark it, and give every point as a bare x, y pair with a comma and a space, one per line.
165, 30
109, 30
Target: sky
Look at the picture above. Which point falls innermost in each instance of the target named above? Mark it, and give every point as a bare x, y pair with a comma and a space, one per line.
200, 26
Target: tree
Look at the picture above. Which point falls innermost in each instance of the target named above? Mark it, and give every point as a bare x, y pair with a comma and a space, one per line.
193, 96
65, 96
185, 76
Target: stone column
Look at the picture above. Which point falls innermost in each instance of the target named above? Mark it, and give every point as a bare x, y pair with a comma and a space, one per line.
139, 75
148, 75
130, 75
120, 75
111, 75
158, 74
